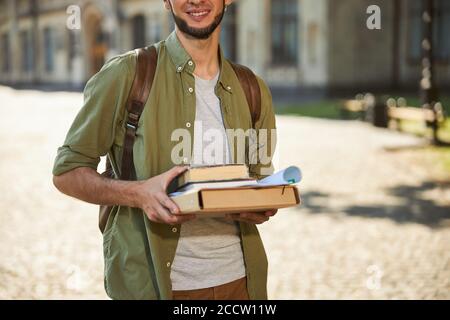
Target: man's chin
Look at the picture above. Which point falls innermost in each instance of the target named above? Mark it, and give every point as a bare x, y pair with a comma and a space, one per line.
197, 36
197, 32
198, 28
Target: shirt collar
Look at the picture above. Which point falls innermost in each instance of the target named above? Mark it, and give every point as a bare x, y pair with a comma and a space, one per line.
178, 54
183, 61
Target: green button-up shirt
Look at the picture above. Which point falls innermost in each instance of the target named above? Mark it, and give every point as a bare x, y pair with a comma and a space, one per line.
138, 253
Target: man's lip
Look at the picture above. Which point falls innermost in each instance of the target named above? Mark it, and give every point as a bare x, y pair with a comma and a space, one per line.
198, 15
198, 11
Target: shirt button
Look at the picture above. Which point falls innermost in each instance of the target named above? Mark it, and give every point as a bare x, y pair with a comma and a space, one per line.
190, 63
191, 90
179, 69
168, 264
174, 230
229, 88
188, 124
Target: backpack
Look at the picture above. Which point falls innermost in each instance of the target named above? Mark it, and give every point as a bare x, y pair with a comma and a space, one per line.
147, 59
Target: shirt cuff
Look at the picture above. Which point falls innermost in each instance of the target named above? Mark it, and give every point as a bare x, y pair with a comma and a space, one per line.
68, 159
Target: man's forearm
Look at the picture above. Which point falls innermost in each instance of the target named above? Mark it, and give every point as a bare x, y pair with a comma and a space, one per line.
88, 185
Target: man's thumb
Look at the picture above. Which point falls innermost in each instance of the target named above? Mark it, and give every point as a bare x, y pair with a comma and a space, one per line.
173, 173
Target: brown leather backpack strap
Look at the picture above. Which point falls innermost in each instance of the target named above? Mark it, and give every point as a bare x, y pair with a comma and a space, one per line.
251, 88
145, 72
147, 59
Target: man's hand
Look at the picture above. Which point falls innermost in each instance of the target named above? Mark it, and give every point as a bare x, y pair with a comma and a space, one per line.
252, 217
157, 205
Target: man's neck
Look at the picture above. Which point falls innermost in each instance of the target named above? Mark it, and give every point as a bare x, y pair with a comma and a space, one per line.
203, 52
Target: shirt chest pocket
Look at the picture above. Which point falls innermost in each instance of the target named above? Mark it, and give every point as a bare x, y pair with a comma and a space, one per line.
120, 132
119, 135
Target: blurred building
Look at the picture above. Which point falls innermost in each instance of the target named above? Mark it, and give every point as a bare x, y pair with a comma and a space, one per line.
322, 44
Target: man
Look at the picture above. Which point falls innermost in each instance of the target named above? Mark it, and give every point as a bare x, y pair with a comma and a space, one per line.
150, 253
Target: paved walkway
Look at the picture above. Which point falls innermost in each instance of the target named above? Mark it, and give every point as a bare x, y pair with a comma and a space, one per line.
375, 222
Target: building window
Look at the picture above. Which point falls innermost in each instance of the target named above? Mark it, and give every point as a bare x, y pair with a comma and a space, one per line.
49, 49
27, 51
6, 62
441, 25
229, 32
284, 16
139, 36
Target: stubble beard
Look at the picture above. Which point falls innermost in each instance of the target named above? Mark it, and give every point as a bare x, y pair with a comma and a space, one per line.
198, 33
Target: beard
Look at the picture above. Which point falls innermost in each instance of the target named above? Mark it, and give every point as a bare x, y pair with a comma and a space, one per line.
198, 33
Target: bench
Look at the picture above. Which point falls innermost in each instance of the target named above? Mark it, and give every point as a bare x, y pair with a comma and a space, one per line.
353, 106
399, 114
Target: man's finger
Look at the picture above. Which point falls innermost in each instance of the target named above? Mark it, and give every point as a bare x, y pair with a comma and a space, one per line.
229, 216
257, 217
171, 174
168, 203
169, 218
162, 212
271, 213
179, 219
252, 221
153, 215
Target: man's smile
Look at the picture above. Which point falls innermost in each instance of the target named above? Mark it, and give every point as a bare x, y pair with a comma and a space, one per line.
198, 14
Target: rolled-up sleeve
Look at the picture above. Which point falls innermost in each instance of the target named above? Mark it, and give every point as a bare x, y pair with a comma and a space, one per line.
92, 132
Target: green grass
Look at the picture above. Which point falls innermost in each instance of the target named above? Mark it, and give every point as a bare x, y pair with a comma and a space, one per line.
327, 109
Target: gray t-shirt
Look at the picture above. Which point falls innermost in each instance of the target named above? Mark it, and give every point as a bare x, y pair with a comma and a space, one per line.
209, 250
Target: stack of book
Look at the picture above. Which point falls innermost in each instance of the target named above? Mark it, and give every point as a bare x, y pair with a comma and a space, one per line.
220, 189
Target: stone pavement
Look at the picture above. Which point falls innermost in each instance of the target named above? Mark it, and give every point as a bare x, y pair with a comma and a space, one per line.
374, 224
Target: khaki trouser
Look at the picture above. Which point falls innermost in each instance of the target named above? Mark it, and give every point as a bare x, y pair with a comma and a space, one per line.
235, 290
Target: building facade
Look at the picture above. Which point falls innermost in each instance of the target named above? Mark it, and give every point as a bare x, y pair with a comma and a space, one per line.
295, 44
